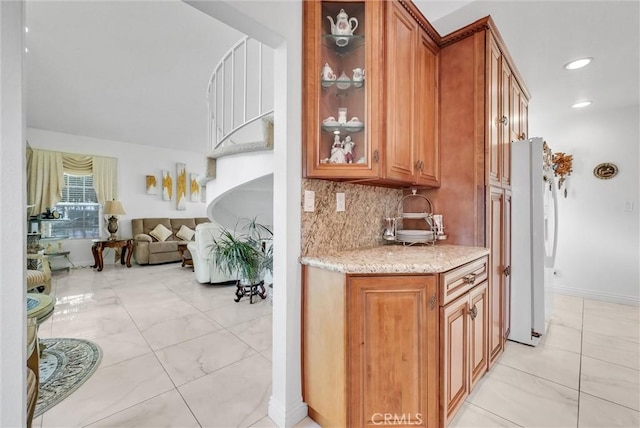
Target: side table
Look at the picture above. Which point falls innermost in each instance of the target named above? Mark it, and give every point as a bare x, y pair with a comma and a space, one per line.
101, 244
185, 255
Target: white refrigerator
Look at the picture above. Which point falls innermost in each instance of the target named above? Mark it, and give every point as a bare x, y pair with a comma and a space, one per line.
534, 239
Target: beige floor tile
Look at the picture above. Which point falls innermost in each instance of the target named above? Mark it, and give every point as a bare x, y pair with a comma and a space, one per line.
597, 413
268, 354
166, 410
265, 422
256, 333
607, 325
612, 310
526, 400
567, 319
178, 330
198, 357
105, 321
237, 395
561, 337
109, 391
566, 303
148, 315
306, 423
472, 416
618, 384
553, 364
122, 346
607, 348
240, 312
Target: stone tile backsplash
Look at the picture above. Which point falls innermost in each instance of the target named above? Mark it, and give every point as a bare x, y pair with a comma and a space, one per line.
360, 225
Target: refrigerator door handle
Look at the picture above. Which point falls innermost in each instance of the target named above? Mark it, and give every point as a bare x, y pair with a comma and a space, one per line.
550, 260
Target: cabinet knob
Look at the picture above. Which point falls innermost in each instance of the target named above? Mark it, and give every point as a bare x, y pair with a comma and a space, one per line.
507, 271
522, 136
504, 120
376, 155
432, 302
470, 279
473, 312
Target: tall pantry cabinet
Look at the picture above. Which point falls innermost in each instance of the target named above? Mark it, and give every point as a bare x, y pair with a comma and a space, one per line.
483, 107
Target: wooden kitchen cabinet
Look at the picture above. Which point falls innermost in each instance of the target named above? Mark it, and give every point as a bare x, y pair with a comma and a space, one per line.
463, 341
411, 149
370, 347
396, 104
483, 106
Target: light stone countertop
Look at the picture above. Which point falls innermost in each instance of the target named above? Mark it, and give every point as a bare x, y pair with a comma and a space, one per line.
397, 259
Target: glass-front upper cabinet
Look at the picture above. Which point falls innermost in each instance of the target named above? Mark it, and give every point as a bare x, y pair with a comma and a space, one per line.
341, 92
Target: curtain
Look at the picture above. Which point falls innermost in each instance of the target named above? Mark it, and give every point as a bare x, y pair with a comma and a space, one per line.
45, 180
45, 176
105, 178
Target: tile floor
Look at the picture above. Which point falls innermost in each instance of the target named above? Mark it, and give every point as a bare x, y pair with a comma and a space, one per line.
180, 354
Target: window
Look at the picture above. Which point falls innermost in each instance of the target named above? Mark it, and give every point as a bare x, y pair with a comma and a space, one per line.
79, 208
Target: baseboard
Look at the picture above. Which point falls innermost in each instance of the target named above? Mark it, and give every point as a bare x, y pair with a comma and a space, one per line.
596, 295
288, 417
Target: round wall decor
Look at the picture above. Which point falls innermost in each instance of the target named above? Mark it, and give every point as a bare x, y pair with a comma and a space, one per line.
605, 171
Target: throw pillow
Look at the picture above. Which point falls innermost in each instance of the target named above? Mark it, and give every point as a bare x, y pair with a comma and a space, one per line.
160, 232
185, 233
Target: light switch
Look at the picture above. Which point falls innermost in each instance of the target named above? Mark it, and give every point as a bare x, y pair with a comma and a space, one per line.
340, 202
628, 205
309, 201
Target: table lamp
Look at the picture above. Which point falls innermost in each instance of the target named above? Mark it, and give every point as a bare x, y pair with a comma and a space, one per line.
113, 208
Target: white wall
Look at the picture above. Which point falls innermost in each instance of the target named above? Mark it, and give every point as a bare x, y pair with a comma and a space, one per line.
13, 226
599, 242
135, 161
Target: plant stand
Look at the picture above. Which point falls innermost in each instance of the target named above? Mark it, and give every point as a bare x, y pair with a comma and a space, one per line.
250, 290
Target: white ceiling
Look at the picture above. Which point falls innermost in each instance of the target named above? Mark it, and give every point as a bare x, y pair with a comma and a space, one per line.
137, 71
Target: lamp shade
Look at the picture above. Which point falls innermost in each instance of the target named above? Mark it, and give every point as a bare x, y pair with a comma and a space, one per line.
113, 208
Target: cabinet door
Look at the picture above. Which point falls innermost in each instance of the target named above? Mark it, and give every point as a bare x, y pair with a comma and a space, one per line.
337, 148
401, 39
478, 326
454, 360
495, 236
426, 109
494, 115
506, 239
524, 118
393, 349
510, 120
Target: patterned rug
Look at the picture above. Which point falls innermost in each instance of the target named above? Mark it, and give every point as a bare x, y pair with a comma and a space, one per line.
65, 364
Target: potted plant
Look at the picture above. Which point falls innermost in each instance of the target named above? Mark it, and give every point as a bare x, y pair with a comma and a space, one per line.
247, 252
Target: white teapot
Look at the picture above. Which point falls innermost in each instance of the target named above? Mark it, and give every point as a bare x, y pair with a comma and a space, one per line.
344, 26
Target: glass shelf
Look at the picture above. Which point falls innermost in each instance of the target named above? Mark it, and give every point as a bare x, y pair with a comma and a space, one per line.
340, 129
342, 85
342, 45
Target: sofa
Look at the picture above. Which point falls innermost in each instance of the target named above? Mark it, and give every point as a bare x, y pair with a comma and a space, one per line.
204, 266
148, 250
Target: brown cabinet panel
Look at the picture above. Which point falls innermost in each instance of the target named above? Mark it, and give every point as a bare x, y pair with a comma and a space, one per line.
478, 325
454, 338
393, 349
426, 114
496, 267
495, 119
510, 120
401, 47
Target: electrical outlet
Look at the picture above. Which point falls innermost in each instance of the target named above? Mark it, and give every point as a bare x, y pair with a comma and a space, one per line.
340, 202
309, 201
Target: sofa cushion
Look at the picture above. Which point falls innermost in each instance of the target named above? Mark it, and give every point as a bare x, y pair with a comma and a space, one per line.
161, 233
185, 233
164, 247
177, 223
148, 224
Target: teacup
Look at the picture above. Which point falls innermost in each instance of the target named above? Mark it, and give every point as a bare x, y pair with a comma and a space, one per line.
354, 121
358, 76
329, 120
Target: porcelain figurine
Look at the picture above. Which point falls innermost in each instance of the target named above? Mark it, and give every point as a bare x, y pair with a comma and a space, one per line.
347, 147
337, 151
327, 73
343, 26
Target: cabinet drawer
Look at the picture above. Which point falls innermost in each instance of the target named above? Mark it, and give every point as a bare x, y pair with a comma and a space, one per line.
458, 281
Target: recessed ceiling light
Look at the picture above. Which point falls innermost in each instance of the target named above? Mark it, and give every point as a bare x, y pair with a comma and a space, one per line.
581, 104
26, 29
578, 63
